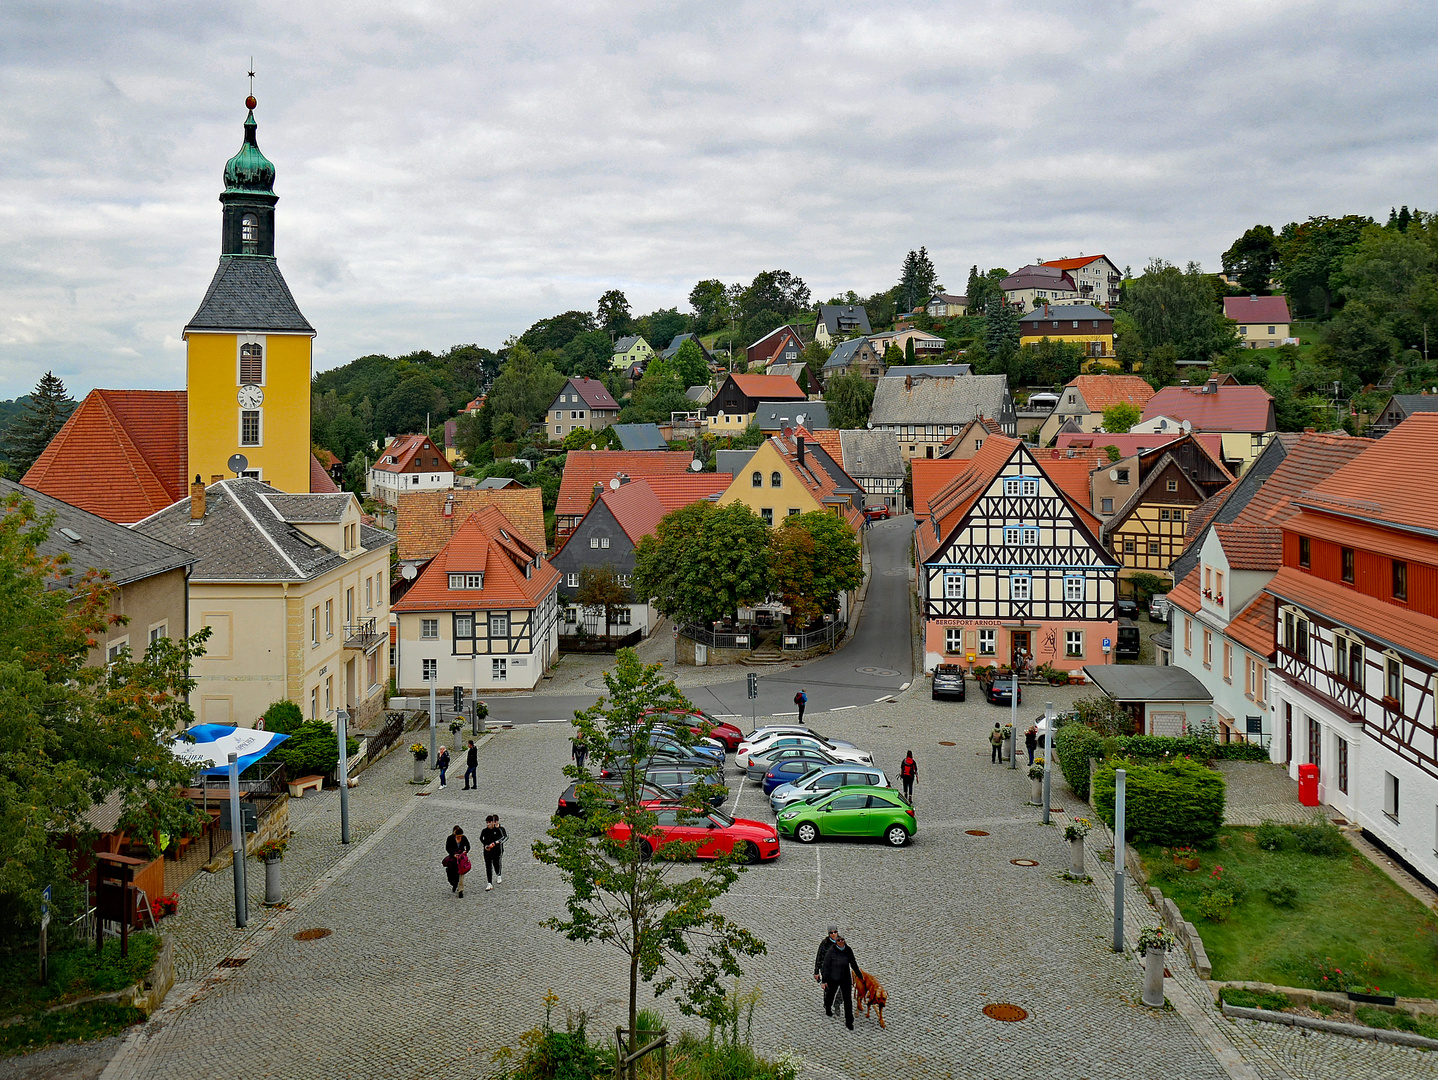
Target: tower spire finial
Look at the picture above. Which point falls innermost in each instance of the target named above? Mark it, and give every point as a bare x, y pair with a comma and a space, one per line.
250, 101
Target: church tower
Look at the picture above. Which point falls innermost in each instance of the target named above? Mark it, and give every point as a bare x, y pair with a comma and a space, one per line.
248, 347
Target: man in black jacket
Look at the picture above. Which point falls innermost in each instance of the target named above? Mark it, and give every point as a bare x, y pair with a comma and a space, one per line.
824, 947
838, 962
471, 767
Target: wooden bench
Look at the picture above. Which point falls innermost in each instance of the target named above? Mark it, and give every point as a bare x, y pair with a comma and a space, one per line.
298, 787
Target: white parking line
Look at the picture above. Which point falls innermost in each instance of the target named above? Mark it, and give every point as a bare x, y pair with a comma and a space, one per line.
795, 713
816, 874
554, 720
905, 686
841, 708
740, 791
879, 699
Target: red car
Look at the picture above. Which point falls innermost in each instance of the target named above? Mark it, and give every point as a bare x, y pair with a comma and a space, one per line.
876, 513
701, 723
715, 832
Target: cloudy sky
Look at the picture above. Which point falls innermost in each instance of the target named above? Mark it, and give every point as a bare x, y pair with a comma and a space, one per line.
449, 172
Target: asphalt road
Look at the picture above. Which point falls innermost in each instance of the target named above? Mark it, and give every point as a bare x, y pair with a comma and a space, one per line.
876, 663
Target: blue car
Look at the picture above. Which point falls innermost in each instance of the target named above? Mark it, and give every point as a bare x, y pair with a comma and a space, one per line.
787, 771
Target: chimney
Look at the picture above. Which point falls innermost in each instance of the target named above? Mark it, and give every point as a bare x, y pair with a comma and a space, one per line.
594, 495
908, 384
1211, 387
215, 478
799, 442
197, 500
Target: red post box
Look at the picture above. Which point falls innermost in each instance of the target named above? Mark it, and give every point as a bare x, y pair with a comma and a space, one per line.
1308, 785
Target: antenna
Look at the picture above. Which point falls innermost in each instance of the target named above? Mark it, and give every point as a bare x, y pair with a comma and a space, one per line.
696, 465
238, 463
614, 484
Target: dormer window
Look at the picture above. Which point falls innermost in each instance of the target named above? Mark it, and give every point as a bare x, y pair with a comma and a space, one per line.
466, 581
250, 234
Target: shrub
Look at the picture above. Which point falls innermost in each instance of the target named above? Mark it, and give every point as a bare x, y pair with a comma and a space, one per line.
1075, 744
1221, 880
284, 717
1254, 999
1104, 715
1178, 802
1215, 905
1240, 751
311, 749
1271, 836
1400, 1021
1282, 894
1320, 837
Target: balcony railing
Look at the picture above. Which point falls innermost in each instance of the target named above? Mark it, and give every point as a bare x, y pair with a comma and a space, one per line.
363, 635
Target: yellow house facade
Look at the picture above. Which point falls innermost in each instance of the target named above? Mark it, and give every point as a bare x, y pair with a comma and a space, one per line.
1079, 324
767, 485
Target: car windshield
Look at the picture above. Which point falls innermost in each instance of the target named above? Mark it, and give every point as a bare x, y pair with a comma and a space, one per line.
720, 818
810, 775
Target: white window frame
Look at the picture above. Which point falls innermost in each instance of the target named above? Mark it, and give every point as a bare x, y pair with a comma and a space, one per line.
499, 624
1031, 536
499, 669
1030, 488
429, 669
953, 640
571, 581
1073, 589
1073, 644
988, 642
1013, 535
953, 585
1021, 587
429, 629
466, 582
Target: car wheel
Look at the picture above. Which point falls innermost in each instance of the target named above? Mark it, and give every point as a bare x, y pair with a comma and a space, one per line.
807, 833
751, 853
897, 836
646, 850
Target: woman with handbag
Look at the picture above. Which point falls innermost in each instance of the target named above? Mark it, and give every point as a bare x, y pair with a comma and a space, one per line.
456, 861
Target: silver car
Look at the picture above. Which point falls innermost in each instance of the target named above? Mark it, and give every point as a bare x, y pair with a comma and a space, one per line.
825, 778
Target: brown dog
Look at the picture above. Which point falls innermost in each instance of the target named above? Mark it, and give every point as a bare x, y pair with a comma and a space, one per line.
869, 992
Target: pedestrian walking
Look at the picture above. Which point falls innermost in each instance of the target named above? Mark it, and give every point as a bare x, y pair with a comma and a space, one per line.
456, 859
838, 962
801, 699
1031, 741
471, 767
996, 740
491, 842
442, 763
824, 947
578, 751
907, 771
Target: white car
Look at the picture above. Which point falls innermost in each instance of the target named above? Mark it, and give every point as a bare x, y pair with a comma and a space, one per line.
750, 753
762, 736
822, 779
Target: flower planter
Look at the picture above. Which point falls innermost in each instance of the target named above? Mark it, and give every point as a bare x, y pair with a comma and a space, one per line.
1153, 962
1076, 861
419, 770
1373, 999
1038, 790
1187, 865
273, 894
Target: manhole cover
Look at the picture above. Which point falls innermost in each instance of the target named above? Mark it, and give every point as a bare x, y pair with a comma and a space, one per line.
876, 671
943, 743
976, 832
1000, 1010
312, 935
1023, 862
232, 961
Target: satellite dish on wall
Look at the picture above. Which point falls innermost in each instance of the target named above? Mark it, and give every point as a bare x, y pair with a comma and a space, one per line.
614, 484
408, 572
1187, 426
238, 463
1113, 474
696, 465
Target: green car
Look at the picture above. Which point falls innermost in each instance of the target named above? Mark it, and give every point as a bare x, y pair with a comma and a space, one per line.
853, 810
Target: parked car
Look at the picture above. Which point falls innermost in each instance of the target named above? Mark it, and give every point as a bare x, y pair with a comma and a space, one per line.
760, 766
701, 723
1128, 645
788, 769
771, 730
1001, 690
716, 833
760, 744
880, 512
948, 683
818, 782
852, 811
682, 781
674, 759
747, 758
664, 742
571, 806
1158, 607
1127, 608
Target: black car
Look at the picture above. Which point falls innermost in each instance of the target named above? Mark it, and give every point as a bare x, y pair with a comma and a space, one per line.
1001, 691
1128, 609
1128, 643
948, 683
570, 805
664, 759
682, 781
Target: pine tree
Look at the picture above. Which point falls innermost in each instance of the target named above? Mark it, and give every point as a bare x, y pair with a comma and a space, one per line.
918, 280
44, 415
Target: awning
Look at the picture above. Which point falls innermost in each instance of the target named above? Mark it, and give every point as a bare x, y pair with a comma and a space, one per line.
214, 743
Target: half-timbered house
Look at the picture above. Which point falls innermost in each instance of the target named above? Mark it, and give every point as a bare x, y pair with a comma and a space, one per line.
483, 613
1010, 565
1357, 643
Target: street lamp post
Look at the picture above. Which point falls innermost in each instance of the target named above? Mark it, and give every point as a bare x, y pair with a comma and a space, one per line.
1048, 754
341, 727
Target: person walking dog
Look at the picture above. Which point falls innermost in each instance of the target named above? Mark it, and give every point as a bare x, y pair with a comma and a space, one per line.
491, 841
838, 963
442, 763
456, 859
996, 740
801, 699
471, 767
824, 946
907, 771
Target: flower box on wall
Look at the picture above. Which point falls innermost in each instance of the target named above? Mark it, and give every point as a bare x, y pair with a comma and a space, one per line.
1373, 999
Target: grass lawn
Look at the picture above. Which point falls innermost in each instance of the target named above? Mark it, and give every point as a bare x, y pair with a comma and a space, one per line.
74, 973
1347, 912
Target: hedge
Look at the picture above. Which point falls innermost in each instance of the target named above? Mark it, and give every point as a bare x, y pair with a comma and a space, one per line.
1198, 747
1177, 802
1075, 744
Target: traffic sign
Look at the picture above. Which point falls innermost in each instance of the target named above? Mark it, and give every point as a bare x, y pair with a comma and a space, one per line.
45, 907
458, 698
1107, 644
753, 684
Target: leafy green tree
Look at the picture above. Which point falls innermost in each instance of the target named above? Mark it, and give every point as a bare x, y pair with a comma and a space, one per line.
690, 366
909, 357
1146, 585
814, 558
704, 562
814, 356
600, 587
557, 331
410, 404
1179, 308
43, 416
893, 355
1160, 366
659, 328
850, 397
656, 395
778, 291
613, 313
985, 296
918, 280
588, 355
1121, 416
709, 300
1310, 252
523, 390
657, 907
1252, 258
356, 474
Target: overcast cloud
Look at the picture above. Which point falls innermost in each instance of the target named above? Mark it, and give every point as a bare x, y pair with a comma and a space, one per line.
450, 172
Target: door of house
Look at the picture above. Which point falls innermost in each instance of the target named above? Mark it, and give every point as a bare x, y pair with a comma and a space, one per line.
1019, 645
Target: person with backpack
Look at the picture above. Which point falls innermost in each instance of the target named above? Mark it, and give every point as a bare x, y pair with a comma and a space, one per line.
491, 841
996, 742
801, 699
578, 752
456, 859
907, 771
442, 763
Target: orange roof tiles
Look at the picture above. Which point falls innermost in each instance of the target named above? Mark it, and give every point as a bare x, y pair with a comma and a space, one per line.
636, 508
833, 445
404, 448
1101, 391
815, 477
1074, 263
1254, 627
122, 454
485, 543
769, 387
932, 475
423, 528
676, 491
583, 469
1185, 594
1251, 547
1401, 628
320, 481
1204, 513
1380, 485
959, 494
1310, 460
1071, 476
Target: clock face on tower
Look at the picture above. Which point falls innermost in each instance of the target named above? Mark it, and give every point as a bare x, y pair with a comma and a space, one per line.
251, 396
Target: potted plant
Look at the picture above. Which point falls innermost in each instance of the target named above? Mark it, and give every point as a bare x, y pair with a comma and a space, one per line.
272, 851
1185, 858
1008, 741
1074, 833
1036, 778
420, 753
454, 726
1154, 943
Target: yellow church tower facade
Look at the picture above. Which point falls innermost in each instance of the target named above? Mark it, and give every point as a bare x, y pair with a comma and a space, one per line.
248, 348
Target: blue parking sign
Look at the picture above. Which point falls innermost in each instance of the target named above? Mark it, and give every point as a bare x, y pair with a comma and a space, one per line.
1107, 643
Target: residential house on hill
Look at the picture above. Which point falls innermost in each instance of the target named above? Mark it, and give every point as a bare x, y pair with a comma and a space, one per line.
483, 613
588, 473
792, 474
872, 459
631, 350
581, 405
1097, 278
678, 341
1036, 285
774, 416
927, 346
798, 372
947, 306
926, 413
928, 371
970, 438
409, 463
149, 577
1400, 407
640, 437
858, 356
1263, 321
1078, 324
839, 322
1221, 621
295, 591
1242, 415
1084, 399
782, 345
1009, 565
426, 520
734, 404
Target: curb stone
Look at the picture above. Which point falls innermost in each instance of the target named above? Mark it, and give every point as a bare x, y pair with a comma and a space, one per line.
1334, 1027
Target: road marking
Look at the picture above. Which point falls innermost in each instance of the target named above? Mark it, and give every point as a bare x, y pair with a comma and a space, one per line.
553, 720
817, 879
795, 713
879, 699
737, 793
841, 708
906, 685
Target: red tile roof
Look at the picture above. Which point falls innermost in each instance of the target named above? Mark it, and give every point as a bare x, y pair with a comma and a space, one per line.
1101, 391
1256, 309
486, 543
1251, 547
959, 494
676, 491
932, 475
1401, 628
1185, 595
122, 454
1227, 408
423, 528
320, 481
816, 478
1073, 264
769, 387
583, 469
1128, 445
1381, 484
595, 394
636, 508
404, 449
1204, 513
1356, 534
1254, 627
1309, 461
1071, 476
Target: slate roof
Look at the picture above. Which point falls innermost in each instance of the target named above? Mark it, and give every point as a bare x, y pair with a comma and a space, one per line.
516, 575
928, 371
844, 318
249, 294
102, 545
1225, 408
843, 354
583, 469
1147, 682
870, 453
423, 528
1061, 313
1256, 309
245, 535
1379, 485
700, 395
678, 341
624, 344
497, 483
640, 437
954, 400
774, 415
1101, 391
796, 371
1038, 277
